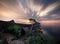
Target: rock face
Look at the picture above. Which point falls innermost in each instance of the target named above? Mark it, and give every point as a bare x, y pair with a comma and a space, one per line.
10, 39
5, 24
32, 36
16, 42
6, 36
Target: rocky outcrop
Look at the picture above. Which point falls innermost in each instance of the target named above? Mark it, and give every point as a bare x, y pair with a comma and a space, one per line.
28, 36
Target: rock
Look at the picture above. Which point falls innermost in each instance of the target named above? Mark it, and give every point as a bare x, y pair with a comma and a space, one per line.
16, 42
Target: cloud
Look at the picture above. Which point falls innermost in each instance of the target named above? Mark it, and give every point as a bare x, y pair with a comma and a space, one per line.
11, 8
51, 17
36, 2
55, 16
49, 9
25, 9
40, 12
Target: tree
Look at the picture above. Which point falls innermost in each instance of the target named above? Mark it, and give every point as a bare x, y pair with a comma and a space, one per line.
15, 29
37, 40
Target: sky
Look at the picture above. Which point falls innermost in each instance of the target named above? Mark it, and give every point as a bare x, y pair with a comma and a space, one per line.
22, 10
47, 12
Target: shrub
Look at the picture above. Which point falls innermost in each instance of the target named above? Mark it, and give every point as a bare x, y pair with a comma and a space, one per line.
37, 40
15, 29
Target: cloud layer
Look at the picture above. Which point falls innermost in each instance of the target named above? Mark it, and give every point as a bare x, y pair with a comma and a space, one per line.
25, 9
